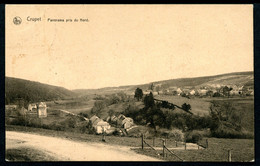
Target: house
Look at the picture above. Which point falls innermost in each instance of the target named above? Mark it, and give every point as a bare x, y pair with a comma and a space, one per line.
93, 118
192, 92
202, 92
42, 110
95, 122
101, 127
39, 109
120, 118
179, 91
127, 122
32, 107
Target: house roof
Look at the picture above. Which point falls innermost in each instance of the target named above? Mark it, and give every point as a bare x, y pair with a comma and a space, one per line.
96, 121
93, 118
127, 119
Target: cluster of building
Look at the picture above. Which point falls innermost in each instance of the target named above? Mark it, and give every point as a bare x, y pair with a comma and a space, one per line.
123, 124
35, 109
38, 108
207, 90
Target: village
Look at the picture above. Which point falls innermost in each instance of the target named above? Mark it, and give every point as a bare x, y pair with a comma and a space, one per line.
211, 90
120, 124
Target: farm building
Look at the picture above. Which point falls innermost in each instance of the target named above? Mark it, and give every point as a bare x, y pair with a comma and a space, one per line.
101, 127
42, 110
32, 107
120, 118
179, 91
93, 118
113, 118
202, 92
127, 122
192, 92
39, 109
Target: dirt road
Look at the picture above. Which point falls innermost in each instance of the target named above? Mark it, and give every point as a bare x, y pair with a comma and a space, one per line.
67, 150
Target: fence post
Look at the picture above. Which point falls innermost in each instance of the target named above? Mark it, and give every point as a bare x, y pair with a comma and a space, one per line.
185, 145
142, 138
163, 148
207, 143
229, 155
176, 143
153, 141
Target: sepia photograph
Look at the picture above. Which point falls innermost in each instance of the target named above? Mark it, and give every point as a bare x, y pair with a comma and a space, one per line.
160, 83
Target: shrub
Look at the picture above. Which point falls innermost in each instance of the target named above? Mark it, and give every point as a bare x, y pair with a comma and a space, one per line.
193, 136
176, 134
19, 121
224, 131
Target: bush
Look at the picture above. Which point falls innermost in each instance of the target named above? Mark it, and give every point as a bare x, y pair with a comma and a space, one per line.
224, 131
176, 134
19, 121
194, 136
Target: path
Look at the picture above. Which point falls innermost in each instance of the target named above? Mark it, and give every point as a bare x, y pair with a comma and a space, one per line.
67, 150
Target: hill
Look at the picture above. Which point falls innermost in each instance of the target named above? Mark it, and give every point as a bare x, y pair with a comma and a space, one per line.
232, 79
31, 91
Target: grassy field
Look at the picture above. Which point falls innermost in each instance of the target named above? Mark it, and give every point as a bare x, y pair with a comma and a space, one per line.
198, 106
242, 149
76, 105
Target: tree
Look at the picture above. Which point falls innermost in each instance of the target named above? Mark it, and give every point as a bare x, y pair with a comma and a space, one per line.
174, 93
186, 107
216, 94
210, 93
149, 100
151, 87
98, 106
226, 91
111, 112
138, 93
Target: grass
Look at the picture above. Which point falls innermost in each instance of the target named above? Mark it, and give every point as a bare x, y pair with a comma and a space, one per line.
242, 150
27, 154
198, 106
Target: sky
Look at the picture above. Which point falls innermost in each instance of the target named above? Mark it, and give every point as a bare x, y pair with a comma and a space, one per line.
127, 44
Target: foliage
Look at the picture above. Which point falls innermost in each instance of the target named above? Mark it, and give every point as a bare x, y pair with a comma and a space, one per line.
149, 100
193, 136
97, 108
210, 93
186, 107
138, 94
84, 114
177, 134
216, 94
226, 122
111, 112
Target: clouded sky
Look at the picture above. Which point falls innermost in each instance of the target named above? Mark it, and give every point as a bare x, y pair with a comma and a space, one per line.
127, 44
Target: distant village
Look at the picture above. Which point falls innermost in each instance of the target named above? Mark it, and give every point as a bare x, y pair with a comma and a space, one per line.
212, 90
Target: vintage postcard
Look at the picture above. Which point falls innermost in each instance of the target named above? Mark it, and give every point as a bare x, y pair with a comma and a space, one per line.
129, 83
